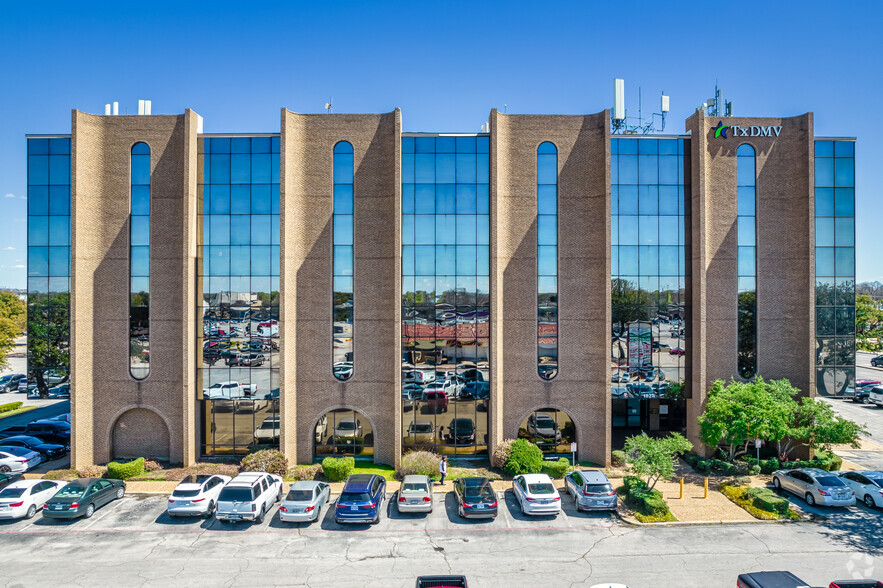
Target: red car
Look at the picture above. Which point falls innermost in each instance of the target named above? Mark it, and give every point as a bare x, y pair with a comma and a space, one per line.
677, 351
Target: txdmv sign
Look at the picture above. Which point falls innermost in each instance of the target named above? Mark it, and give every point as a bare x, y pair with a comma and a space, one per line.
753, 131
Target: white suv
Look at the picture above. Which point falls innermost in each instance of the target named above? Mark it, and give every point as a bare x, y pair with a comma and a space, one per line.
196, 495
876, 395
249, 497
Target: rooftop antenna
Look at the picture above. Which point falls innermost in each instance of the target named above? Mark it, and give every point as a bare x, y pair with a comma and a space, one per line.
505, 108
329, 105
717, 106
623, 124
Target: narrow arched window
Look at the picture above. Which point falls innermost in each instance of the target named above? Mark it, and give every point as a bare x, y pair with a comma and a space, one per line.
139, 262
547, 261
746, 236
342, 272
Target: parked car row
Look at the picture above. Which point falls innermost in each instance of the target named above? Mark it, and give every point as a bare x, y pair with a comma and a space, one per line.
21, 499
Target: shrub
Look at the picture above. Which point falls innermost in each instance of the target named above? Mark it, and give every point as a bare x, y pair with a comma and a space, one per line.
423, 463
761, 503
271, 461
304, 472
526, 458
617, 458
830, 459
124, 471
501, 454
70, 474
648, 505
92, 471
151, 465
10, 406
337, 469
754, 470
633, 482
556, 469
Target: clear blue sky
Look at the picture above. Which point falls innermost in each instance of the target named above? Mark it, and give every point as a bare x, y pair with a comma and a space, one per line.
445, 64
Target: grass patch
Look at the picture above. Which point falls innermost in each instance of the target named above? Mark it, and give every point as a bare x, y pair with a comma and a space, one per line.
740, 496
381, 469
10, 413
457, 473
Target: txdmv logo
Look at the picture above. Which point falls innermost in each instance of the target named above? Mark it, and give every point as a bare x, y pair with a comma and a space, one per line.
753, 131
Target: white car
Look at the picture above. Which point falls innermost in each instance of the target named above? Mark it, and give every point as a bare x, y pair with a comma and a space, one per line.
536, 494
268, 430
446, 386
347, 429
304, 501
867, 485
17, 460
22, 499
249, 497
197, 495
875, 396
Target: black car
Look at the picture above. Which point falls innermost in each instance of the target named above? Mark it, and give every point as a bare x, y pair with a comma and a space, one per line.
877, 361
461, 432
769, 580
49, 450
58, 432
81, 498
7, 478
475, 498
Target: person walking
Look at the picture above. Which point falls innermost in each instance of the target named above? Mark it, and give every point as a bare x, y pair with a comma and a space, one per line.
443, 468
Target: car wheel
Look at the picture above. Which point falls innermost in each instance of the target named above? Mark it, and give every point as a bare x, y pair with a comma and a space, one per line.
5, 469
462, 514
32, 510
869, 500
90, 510
279, 496
810, 499
777, 484
120, 492
318, 514
866, 400
576, 504
260, 518
211, 509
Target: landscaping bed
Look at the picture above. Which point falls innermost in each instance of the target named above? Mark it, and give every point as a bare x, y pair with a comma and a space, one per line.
761, 503
647, 505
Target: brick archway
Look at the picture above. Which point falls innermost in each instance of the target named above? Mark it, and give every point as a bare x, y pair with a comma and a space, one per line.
140, 432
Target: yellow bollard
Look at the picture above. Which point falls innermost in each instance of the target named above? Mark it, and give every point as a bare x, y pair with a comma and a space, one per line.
682, 489
706, 489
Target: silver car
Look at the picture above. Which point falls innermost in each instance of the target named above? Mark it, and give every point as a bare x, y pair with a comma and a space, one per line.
868, 486
591, 490
304, 501
815, 486
415, 495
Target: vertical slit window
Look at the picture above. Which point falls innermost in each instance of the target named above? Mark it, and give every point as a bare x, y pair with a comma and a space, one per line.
342, 272
139, 263
547, 261
746, 220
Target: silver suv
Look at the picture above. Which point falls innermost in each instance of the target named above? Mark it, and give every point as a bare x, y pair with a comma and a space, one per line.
249, 497
591, 490
815, 486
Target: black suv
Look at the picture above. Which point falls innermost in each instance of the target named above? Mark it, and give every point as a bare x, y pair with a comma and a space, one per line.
877, 361
58, 432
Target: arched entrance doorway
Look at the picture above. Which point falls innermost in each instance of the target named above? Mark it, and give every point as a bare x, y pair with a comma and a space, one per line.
552, 430
139, 432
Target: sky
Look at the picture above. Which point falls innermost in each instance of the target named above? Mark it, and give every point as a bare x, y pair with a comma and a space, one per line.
444, 64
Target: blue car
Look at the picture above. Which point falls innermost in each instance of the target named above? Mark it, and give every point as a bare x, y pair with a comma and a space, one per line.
361, 500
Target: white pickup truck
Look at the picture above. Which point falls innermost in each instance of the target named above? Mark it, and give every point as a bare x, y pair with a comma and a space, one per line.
876, 395
229, 391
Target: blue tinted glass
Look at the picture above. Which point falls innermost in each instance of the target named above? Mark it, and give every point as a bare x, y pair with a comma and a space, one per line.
343, 147
343, 260
628, 169
668, 147
669, 233
140, 169
38, 200
140, 230
466, 259
38, 169
824, 171
407, 198
59, 261
424, 168
343, 168
424, 198
140, 149
424, 260
668, 169
825, 261
648, 231
844, 202
844, 174
483, 229
240, 229
274, 168
668, 200
547, 257
482, 168
648, 261
547, 169
845, 231
260, 168
240, 168
140, 200
407, 144
261, 260
220, 145
669, 261
746, 261
845, 261
483, 198
240, 144
844, 148
444, 145
628, 260
745, 231
140, 261
218, 259
824, 149
240, 260
824, 232
219, 200
38, 230
547, 199
466, 145
60, 146
445, 199
444, 168
38, 146
628, 146
628, 200
547, 148
465, 228
260, 199
628, 230
648, 146
482, 259
745, 171
824, 202
408, 260
220, 167
547, 229
745, 201
465, 167
424, 230
343, 229
407, 168
260, 229
260, 144
38, 261
466, 199
483, 144
343, 199
424, 144
407, 229
240, 198
648, 169
614, 169
648, 199
274, 144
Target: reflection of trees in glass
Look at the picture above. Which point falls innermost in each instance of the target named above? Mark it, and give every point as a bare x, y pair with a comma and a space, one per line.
747, 334
49, 338
13, 320
629, 303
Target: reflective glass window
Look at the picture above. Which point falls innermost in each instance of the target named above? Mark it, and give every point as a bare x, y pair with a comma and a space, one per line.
746, 206
139, 261
342, 236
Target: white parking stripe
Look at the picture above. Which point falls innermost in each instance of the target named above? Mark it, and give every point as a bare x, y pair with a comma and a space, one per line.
107, 510
503, 509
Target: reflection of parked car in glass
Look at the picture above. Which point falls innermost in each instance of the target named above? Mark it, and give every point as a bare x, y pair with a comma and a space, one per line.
419, 376
447, 387
461, 432
343, 369
412, 392
877, 361
50, 431
677, 351
435, 401
48, 450
229, 391
863, 390
421, 432
9, 382
268, 430
60, 391
476, 391
347, 429
18, 460
876, 395
547, 371
543, 426
321, 428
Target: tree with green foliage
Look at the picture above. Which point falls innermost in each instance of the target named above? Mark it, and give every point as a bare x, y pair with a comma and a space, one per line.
13, 320
655, 458
49, 338
818, 426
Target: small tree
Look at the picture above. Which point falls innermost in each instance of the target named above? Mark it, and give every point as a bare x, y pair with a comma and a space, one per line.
655, 458
818, 426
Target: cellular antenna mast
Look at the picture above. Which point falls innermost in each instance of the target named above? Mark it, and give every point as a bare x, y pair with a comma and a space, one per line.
623, 124
329, 105
716, 106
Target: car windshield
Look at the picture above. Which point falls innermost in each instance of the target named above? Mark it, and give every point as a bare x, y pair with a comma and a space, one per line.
598, 488
273, 425
546, 423
878, 481
478, 493
70, 492
354, 497
346, 425
829, 481
414, 487
235, 495
300, 495
462, 426
543, 488
422, 428
186, 493
12, 492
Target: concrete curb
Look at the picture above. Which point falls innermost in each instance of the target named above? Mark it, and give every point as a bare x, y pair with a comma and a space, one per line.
752, 521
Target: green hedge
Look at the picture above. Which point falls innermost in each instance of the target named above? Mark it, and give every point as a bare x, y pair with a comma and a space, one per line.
526, 458
124, 471
766, 499
338, 469
618, 458
10, 407
556, 469
824, 460
645, 502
